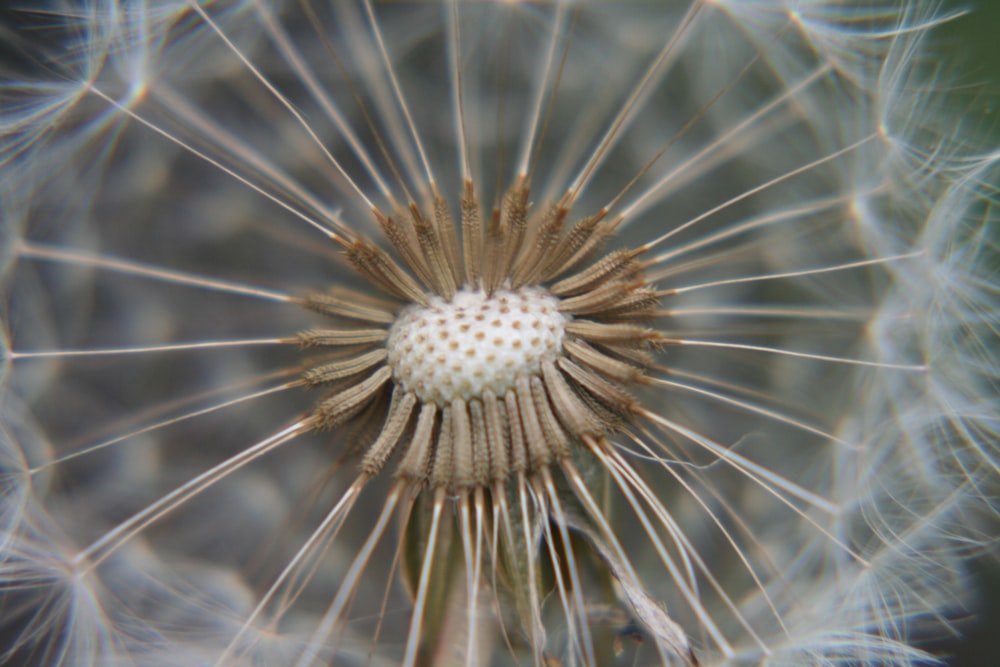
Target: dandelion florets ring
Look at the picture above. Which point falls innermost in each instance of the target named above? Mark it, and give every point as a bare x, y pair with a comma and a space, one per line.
499, 373
492, 362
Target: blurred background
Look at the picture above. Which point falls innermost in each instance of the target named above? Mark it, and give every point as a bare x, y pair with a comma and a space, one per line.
971, 43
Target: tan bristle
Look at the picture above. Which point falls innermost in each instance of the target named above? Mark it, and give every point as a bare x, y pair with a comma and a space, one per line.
491, 376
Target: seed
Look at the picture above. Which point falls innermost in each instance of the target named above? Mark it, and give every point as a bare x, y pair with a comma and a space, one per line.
511, 371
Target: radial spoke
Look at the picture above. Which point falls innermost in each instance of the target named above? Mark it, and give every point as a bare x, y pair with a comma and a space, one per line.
792, 353
318, 542
351, 578
315, 224
688, 169
113, 539
755, 409
766, 479
791, 214
683, 543
847, 266
753, 470
163, 424
777, 312
569, 610
193, 117
320, 95
282, 99
761, 188
457, 89
585, 640
41, 251
414, 635
148, 349
670, 639
727, 534
541, 86
397, 90
658, 67
472, 539
536, 631
682, 581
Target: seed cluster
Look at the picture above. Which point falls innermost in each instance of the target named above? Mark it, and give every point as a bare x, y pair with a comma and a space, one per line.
491, 360
458, 348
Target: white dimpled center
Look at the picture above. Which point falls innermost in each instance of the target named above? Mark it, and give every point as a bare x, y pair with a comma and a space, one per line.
459, 348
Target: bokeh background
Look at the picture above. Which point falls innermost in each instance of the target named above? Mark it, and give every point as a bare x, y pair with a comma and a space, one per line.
971, 45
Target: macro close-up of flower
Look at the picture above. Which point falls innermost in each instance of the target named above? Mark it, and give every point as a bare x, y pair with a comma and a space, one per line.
567, 332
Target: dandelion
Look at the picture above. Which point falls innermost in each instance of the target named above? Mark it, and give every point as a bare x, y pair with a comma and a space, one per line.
489, 333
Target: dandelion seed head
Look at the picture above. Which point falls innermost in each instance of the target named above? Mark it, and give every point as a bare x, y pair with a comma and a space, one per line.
503, 375
250, 415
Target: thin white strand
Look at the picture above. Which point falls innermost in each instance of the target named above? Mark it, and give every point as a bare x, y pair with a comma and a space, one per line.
494, 547
795, 313
478, 560
162, 424
31, 250
708, 380
413, 636
700, 171
537, 642
146, 349
760, 188
755, 409
765, 478
542, 86
750, 468
689, 593
677, 535
590, 120
722, 257
103, 547
282, 99
457, 88
906, 28
684, 544
756, 222
791, 353
291, 593
738, 130
397, 90
574, 572
220, 136
796, 274
326, 231
351, 578
584, 496
652, 456
320, 95
628, 107
550, 543
336, 515
404, 161
387, 590
471, 582
731, 149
